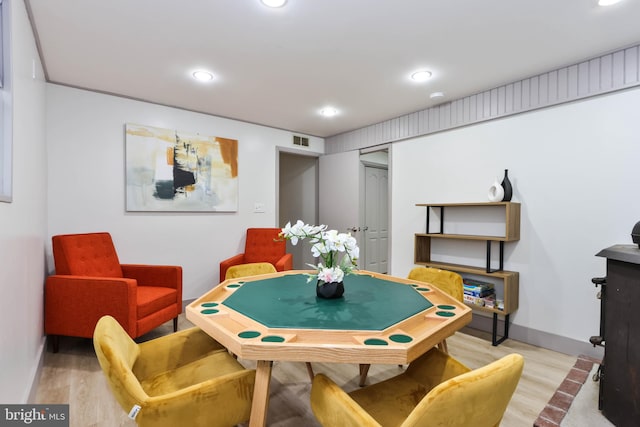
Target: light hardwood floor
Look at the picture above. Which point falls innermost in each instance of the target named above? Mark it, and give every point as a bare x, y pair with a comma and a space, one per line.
73, 376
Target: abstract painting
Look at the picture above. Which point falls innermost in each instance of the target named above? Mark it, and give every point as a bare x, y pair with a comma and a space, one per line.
172, 171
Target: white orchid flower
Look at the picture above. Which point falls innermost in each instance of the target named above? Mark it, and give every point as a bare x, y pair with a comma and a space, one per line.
338, 251
319, 249
332, 274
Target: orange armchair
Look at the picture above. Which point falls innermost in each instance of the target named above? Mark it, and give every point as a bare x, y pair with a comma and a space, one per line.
262, 245
90, 282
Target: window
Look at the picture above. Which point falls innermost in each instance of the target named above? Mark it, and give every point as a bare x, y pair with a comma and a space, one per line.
5, 107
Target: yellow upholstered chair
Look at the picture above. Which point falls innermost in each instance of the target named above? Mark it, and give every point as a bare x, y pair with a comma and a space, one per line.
251, 269
435, 390
186, 378
446, 281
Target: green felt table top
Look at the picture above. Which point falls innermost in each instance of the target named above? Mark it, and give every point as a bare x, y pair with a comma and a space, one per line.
290, 301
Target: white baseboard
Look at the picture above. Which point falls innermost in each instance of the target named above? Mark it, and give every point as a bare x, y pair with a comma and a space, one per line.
37, 373
539, 338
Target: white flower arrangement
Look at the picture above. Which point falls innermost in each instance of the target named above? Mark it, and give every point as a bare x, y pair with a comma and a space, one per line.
339, 251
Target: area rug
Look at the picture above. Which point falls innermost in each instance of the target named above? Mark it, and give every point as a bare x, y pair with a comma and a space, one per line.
575, 402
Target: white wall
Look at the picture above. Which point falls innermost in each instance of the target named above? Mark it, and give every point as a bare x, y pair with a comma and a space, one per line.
23, 229
574, 168
85, 137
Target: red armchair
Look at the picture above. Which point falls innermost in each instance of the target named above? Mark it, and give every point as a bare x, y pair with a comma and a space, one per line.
262, 245
90, 282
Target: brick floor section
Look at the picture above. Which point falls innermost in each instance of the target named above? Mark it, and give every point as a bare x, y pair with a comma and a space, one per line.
557, 407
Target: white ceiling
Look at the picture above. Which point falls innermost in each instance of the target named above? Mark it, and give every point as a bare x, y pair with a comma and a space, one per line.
279, 67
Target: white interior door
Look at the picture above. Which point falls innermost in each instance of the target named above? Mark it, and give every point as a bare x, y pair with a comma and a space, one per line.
376, 220
339, 195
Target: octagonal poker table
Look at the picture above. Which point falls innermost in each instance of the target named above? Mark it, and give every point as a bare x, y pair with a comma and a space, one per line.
380, 319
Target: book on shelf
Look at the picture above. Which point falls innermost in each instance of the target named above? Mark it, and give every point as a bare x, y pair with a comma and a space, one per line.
478, 283
478, 289
478, 292
488, 301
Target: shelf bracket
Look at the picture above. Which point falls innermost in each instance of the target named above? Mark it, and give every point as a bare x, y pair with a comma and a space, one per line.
441, 219
494, 334
501, 258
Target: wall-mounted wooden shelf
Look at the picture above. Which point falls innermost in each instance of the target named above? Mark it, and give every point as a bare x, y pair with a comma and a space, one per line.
511, 214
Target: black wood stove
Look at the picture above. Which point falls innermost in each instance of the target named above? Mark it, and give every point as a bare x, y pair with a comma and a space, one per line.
619, 397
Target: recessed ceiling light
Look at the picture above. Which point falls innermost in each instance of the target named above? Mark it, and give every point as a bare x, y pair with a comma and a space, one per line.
436, 95
273, 3
202, 75
421, 76
329, 111
607, 2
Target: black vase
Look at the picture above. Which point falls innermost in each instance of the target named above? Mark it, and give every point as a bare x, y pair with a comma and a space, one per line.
329, 290
635, 234
506, 185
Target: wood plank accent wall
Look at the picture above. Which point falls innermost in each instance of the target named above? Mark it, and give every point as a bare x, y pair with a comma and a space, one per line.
607, 73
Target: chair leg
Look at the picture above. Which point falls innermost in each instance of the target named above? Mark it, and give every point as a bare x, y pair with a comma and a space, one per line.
310, 370
55, 341
443, 346
175, 324
364, 370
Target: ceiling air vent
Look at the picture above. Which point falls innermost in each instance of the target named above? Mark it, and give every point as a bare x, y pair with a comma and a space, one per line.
300, 140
